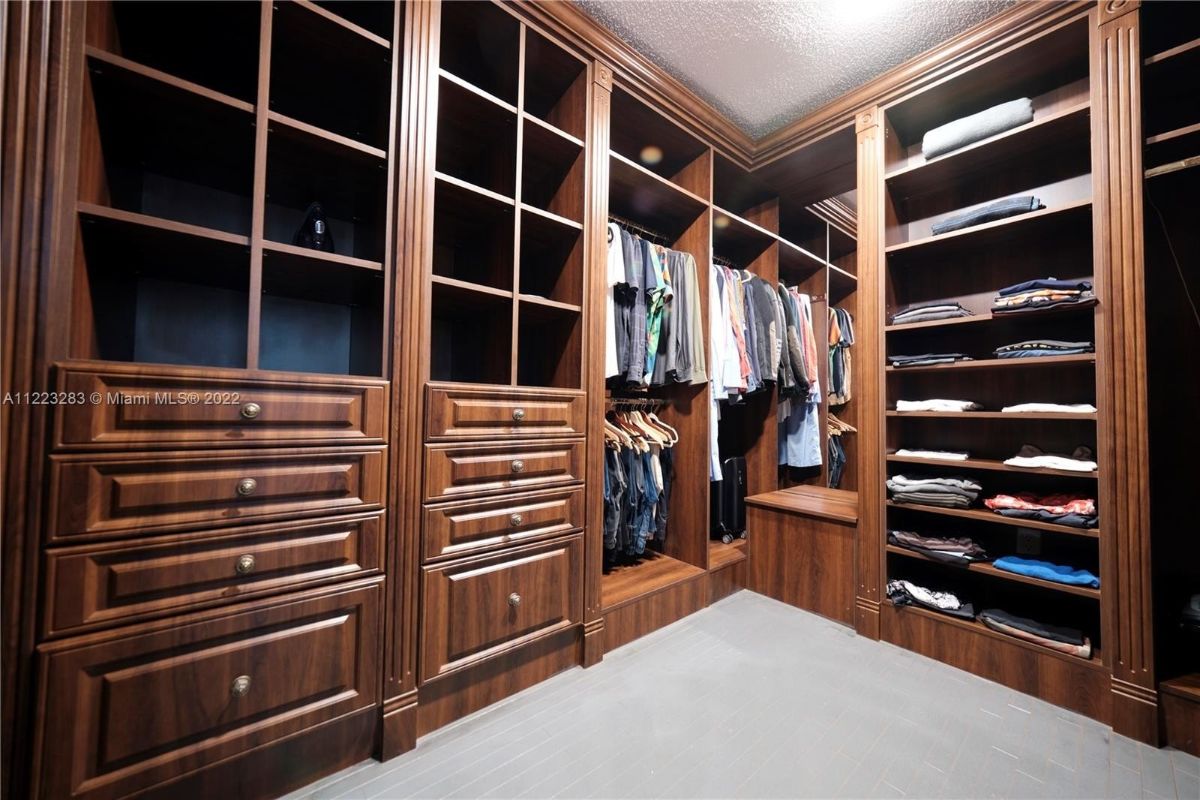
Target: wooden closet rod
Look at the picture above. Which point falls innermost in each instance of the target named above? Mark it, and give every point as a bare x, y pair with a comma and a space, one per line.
635, 228
635, 402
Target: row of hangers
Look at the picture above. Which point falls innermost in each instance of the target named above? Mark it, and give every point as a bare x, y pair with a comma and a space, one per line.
637, 429
837, 427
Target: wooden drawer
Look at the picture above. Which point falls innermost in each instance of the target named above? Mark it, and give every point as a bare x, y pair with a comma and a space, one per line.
461, 412
462, 528
98, 584
120, 714
140, 494
453, 471
164, 407
478, 607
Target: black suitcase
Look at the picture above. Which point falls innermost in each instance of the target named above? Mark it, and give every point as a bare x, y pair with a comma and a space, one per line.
727, 501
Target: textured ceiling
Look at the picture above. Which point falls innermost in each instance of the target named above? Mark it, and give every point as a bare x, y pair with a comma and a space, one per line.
765, 63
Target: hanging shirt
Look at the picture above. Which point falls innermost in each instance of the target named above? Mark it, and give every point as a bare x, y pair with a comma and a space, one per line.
615, 276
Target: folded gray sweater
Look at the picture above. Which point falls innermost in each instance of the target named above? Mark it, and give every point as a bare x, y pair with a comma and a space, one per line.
962, 132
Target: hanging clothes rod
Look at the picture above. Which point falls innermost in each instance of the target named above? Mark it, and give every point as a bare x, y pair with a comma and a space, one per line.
633, 227
634, 402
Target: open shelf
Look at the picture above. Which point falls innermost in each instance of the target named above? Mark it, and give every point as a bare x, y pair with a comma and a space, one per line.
280, 252
983, 515
1096, 662
721, 555
1002, 231
1000, 363
481, 44
1173, 145
313, 51
476, 137
549, 343
135, 30
470, 333
472, 234
797, 264
163, 292
656, 572
739, 240
166, 151
990, 415
638, 194
319, 316
987, 319
551, 257
989, 465
984, 568
555, 85
350, 185
552, 177
371, 17
1052, 129
650, 141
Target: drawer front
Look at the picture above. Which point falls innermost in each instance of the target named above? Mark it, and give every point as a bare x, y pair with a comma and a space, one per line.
163, 407
94, 585
453, 471
123, 714
479, 607
463, 528
143, 494
454, 412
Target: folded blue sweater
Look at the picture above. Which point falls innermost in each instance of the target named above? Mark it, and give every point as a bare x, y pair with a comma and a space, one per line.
1046, 571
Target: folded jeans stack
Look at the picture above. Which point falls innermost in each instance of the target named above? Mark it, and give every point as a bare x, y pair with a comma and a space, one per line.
948, 550
1043, 294
1037, 348
1063, 640
903, 593
989, 212
945, 492
1080, 460
1061, 509
937, 404
1044, 570
925, 359
926, 312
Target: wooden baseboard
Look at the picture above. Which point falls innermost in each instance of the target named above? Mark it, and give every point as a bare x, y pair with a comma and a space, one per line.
647, 614
1180, 702
1135, 712
593, 642
727, 580
866, 618
398, 727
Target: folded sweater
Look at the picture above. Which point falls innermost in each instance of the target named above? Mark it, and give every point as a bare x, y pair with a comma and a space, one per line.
966, 130
1032, 568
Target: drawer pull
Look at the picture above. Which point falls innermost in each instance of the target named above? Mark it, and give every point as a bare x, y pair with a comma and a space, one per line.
251, 410
518, 466
514, 600
246, 486
518, 414
245, 564
515, 520
241, 685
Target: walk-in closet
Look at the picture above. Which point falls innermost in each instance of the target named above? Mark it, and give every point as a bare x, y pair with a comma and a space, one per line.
498, 398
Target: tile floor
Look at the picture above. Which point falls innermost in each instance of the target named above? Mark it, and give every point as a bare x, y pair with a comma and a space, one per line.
754, 698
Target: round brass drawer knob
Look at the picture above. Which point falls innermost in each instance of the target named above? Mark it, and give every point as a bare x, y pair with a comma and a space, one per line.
245, 564
514, 599
515, 520
251, 410
518, 466
246, 486
518, 414
241, 685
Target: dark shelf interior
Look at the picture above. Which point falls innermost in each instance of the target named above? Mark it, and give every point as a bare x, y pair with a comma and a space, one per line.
329, 76
1164, 26
350, 186
551, 259
472, 237
140, 26
471, 336
476, 139
737, 190
319, 317
648, 200
158, 296
166, 152
552, 177
481, 44
549, 347
649, 139
555, 85
372, 15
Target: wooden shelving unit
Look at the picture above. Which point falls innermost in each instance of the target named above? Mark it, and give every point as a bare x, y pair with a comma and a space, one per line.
1050, 158
198, 173
508, 261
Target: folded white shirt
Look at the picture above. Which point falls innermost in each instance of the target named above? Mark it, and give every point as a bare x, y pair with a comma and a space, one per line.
933, 454
936, 405
1049, 408
1052, 462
